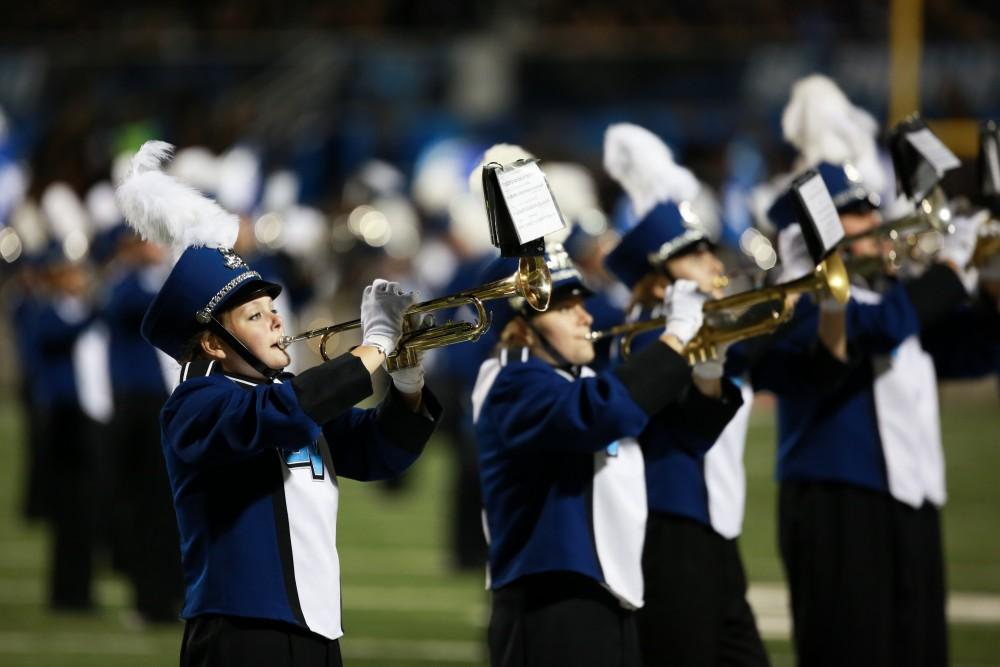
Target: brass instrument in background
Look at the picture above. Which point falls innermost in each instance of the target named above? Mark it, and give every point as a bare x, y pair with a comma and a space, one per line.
830, 277
531, 281
915, 237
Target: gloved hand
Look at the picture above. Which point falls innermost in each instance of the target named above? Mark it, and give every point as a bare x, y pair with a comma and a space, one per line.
795, 258
411, 380
958, 246
682, 304
382, 307
713, 368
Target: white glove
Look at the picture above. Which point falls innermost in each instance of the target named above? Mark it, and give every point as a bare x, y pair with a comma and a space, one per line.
713, 369
411, 380
958, 246
382, 307
682, 304
795, 258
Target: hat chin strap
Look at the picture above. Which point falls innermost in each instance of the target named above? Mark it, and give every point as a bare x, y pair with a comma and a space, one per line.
561, 361
215, 326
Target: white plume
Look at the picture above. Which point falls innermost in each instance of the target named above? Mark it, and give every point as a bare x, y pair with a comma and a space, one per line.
65, 212
239, 175
573, 187
164, 211
643, 165
198, 167
824, 126
102, 207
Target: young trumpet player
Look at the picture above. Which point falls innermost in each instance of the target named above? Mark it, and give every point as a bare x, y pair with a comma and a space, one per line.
562, 475
253, 453
861, 466
696, 611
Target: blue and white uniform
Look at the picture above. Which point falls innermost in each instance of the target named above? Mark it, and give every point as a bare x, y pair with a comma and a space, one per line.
254, 468
861, 468
561, 467
887, 409
694, 452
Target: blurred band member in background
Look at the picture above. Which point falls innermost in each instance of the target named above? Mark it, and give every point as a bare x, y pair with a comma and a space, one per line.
861, 468
696, 611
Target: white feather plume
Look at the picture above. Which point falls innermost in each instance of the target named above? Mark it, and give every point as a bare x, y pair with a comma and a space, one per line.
165, 211
65, 212
824, 126
643, 165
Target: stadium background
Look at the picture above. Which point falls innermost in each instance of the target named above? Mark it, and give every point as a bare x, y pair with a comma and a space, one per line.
322, 88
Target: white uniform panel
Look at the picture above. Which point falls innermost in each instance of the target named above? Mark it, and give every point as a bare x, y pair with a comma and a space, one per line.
725, 474
909, 425
92, 371
312, 503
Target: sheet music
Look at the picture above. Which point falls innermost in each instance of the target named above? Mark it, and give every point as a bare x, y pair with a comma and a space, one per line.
529, 200
935, 152
816, 198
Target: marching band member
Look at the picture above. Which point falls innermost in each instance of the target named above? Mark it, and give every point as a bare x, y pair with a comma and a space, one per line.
144, 536
861, 469
253, 453
64, 315
696, 611
562, 475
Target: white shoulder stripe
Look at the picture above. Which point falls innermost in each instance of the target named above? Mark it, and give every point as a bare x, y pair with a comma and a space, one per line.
484, 382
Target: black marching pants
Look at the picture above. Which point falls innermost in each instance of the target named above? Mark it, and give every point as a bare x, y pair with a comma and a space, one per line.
696, 611
866, 577
72, 497
560, 619
145, 541
231, 641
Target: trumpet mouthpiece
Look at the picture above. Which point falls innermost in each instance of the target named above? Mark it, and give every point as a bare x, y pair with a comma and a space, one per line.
720, 281
284, 342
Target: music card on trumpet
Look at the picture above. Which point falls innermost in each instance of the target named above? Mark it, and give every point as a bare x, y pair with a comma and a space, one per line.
933, 150
531, 205
820, 222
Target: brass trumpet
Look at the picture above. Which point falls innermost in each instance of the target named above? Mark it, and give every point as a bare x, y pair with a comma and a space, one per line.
830, 277
915, 236
531, 281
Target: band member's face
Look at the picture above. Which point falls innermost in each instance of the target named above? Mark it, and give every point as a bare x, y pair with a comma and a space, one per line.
858, 223
566, 325
701, 266
257, 324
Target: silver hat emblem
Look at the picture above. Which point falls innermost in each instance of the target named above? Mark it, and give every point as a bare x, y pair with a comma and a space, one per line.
232, 260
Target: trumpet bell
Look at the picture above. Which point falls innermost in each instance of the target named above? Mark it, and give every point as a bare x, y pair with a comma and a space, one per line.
533, 281
835, 278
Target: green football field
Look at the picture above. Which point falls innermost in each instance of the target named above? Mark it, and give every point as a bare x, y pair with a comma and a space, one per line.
403, 607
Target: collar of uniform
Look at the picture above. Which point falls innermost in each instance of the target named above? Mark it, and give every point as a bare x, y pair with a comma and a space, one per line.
203, 368
521, 355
